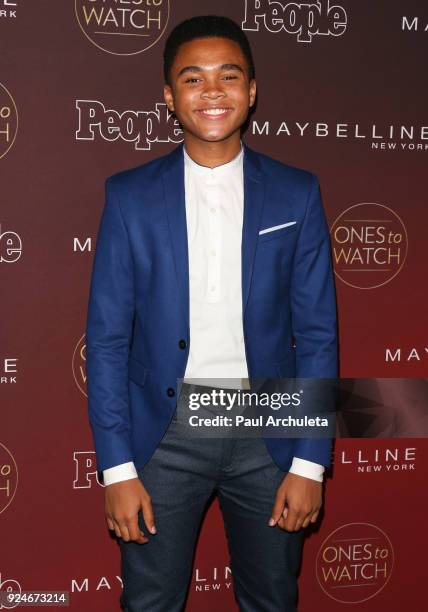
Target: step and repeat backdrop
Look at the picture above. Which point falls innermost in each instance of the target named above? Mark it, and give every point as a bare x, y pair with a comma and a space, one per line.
341, 92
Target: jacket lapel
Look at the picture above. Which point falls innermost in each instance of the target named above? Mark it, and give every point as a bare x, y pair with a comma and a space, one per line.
254, 195
173, 184
174, 197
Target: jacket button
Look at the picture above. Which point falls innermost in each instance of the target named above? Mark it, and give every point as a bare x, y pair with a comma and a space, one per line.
170, 392
182, 344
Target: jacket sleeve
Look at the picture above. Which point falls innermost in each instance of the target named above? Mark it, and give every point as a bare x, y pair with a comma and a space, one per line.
313, 305
108, 336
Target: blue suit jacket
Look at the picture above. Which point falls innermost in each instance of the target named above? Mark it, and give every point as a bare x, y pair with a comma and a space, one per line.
138, 307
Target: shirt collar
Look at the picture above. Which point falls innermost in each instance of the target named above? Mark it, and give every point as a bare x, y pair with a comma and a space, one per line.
223, 169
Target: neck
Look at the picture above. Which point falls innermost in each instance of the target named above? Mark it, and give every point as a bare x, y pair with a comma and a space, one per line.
212, 154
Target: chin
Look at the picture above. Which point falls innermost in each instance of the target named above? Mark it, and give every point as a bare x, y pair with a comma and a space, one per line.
215, 136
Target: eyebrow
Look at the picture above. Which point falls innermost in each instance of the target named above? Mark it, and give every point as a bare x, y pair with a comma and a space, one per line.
199, 69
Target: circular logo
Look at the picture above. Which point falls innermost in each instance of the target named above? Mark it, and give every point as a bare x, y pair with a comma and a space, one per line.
354, 562
122, 28
369, 243
78, 365
8, 477
8, 120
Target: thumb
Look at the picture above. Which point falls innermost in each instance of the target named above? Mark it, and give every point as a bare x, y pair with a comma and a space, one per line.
148, 514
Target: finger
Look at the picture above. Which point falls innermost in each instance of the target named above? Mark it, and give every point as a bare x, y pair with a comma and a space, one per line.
148, 514
286, 523
124, 533
278, 509
135, 532
306, 522
281, 520
281, 523
291, 520
117, 529
304, 519
110, 523
299, 523
315, 516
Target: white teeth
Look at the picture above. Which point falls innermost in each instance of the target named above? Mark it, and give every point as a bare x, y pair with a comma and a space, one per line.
214, 111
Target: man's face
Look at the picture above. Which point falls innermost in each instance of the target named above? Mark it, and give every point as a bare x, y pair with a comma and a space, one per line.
210, 92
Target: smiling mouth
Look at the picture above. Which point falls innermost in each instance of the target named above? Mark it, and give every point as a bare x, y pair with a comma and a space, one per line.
214, 112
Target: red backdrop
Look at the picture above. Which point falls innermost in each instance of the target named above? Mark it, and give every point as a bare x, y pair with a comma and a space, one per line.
342, 92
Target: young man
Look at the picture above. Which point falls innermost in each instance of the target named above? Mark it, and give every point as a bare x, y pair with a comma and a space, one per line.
210, 261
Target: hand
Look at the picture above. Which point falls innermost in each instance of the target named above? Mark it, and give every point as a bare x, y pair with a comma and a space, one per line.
123, 501
304, 499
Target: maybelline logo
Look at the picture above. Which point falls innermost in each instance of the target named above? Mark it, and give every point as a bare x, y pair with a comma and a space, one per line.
414, 24
218, 579
82, 585
380, 460
378, 137
81, 245
398, 354
8, 371
143, 128
302, 19
8, 9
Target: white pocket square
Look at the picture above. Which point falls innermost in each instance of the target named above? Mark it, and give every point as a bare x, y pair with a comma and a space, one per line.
276, 227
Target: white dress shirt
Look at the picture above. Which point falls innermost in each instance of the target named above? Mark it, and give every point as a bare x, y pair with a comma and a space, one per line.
214, 200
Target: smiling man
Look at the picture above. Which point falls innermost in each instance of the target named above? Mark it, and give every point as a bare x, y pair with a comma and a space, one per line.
212, 264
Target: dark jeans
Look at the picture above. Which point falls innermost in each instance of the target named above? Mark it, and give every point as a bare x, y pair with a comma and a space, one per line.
181, 477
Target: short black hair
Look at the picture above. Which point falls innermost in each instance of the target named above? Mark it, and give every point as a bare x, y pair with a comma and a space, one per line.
203, 26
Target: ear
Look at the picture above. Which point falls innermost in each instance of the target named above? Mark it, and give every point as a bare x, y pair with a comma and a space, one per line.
169, 97
253, 91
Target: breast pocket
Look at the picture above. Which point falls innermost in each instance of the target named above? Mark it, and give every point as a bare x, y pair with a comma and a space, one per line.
277, 234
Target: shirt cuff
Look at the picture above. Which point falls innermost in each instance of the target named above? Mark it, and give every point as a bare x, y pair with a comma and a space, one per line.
124, 471
308, 469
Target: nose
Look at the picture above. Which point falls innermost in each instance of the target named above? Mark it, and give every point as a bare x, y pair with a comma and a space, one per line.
212, 91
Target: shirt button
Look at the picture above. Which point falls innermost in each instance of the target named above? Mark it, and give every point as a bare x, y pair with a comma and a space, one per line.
182, 344
170, 392
212, 287
213, 252
213, 210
